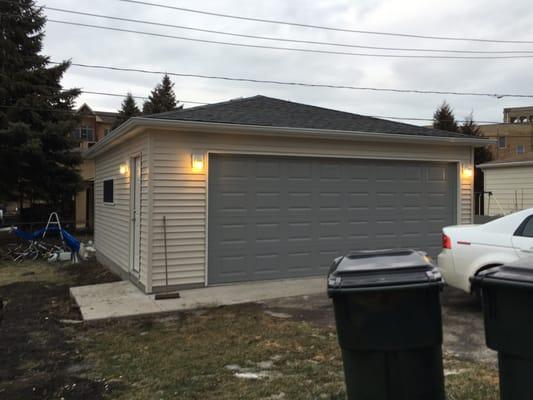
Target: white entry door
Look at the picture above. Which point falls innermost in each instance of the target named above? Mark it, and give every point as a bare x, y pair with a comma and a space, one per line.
136, 215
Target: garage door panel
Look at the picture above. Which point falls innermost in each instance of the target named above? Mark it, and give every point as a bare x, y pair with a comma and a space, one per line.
282, 217
267, 264
437, 174
267, 170
299, 262
232, 268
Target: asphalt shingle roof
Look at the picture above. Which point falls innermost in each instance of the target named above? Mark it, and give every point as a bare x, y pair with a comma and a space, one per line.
267, 111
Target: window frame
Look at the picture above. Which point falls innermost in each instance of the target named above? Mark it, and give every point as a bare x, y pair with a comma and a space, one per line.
104, 181
523, 147
504, 142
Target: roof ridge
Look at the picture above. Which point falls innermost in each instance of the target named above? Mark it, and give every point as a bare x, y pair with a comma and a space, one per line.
203, 106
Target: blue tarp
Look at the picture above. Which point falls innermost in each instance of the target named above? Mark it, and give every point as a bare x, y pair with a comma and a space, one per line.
70, 241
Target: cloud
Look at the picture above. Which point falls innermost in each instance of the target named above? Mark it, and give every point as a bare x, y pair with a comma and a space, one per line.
476, 18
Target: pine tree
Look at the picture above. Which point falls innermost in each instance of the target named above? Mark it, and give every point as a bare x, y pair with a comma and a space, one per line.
469, 127
162, 98
444, 119
36, 158
129, 109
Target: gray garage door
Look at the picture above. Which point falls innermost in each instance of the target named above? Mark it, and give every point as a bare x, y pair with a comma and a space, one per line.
282, 217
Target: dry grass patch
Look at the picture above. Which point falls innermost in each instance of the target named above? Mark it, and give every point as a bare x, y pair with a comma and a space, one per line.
238, 352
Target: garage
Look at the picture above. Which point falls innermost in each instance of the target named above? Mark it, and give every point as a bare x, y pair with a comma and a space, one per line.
284, 217
257, 189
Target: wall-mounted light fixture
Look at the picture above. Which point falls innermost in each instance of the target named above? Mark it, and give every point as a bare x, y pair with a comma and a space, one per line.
123, 169
467, 171
197, 162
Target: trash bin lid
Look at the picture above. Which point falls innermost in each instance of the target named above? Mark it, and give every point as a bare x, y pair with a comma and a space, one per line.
518, 273
382, 268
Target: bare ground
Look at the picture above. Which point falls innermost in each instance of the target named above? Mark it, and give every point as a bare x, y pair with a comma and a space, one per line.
254, 351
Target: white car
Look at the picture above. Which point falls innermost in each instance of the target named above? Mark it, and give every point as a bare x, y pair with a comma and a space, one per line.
469, 249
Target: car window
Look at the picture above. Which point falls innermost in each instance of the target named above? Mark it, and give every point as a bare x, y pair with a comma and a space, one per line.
526, 228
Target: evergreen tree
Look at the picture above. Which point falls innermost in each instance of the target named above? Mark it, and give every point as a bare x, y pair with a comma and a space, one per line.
36, 158
444, 119
129, 109
469, 127
162, 98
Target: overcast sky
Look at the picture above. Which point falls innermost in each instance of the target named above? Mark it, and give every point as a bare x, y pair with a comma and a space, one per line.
458, 18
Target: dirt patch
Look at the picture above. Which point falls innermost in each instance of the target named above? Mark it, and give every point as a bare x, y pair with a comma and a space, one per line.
37, 348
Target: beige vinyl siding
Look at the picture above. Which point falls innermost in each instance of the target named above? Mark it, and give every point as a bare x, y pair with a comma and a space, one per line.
112, 221
467, 201
512, 189
181, 195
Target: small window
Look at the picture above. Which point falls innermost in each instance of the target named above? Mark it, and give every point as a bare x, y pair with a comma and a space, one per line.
526, 228
106, 131
85, 133
520, 149
502, 142
108, 191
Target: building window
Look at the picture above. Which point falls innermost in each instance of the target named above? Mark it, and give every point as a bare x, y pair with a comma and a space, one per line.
108, 191
520, 149
106, 131
84, 133
502, 142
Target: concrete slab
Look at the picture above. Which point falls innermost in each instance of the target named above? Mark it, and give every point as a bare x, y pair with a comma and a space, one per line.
123, 299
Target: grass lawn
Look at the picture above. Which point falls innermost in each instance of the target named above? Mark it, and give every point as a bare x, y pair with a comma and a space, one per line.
236, 352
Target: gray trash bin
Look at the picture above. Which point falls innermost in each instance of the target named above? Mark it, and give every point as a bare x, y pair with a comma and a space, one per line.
388, 317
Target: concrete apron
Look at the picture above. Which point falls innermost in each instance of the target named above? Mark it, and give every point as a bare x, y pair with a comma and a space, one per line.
124, 299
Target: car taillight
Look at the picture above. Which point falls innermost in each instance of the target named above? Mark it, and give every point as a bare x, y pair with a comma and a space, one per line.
446, 242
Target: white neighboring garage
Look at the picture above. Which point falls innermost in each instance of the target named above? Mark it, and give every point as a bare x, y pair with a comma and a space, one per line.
510, 184
261, 188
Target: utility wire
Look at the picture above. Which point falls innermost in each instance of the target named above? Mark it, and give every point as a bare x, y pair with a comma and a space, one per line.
370, 116
289, 83
278, 39
328, 28
137, 97
302, 50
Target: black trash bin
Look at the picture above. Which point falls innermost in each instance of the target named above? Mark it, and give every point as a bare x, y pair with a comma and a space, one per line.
388, 317
507, 296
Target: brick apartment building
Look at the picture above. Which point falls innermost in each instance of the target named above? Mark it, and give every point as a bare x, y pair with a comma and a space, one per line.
93, 126
514, 134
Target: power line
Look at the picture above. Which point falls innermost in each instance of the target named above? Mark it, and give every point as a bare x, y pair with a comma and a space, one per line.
302, 50
154, 23
431, 119
371, 116
110, 94
137, 97
38, 109
106, 93
289, 83
328, 28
